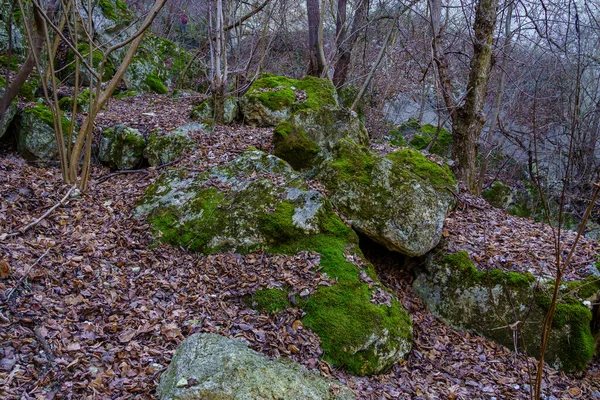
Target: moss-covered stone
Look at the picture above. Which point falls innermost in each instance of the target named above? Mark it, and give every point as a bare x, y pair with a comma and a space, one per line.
68, 73
9, 113
427, 132
34, 130
28, 90
308, 136
257, 201
83, 102
400, 200
489, 302
154, 84
165, 148
209, 366
121, 147
204, 111
271, 99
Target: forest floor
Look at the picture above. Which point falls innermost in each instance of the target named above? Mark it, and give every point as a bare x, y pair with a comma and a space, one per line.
91, 306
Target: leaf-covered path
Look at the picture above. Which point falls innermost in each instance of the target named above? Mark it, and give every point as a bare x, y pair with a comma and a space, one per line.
101, 313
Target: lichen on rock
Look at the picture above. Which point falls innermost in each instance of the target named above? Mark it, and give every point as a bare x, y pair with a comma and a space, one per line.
121, 147
400, 200
209, 366
308, 136
489, 302
165, 148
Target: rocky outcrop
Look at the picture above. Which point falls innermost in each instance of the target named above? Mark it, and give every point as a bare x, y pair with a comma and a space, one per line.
258, 201
121, 147
204, 111
492, 302
308, 136
209, 366
165, 148
400, 200
9, 114
271, 99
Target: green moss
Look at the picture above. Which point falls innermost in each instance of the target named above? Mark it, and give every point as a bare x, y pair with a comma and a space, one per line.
319, 92
292, 144
193, 235
155, 84
498, 194
27, 91
125, 94
587, 288
438, 176
116, 11
83, 101
270, 300
353, 163
44, 114
14, 62
428, 132
97, 59
396, 138
578, 344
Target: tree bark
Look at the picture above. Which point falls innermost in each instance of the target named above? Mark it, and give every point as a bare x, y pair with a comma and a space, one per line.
315, 45
344, 43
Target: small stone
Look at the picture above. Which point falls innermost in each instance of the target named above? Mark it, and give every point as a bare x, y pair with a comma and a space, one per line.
181, 383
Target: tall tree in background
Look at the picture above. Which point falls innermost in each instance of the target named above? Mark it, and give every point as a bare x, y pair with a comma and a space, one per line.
467, 115
344, 41
315, 39
218, 58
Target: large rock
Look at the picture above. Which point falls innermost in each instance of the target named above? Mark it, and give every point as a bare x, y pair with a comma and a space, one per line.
9, 114
36, 140
271, 99
400, 200
204, 111
165, 148
257, 201
19, 41
490, 302
121, 147
209, 366
309, 135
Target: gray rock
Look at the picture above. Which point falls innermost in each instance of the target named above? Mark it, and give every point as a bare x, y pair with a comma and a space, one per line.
209, 366
308, 136
400, 200
205, 110
121, 147
10, 113
163, 149
258, 201
36, 140
271, 99
489, 302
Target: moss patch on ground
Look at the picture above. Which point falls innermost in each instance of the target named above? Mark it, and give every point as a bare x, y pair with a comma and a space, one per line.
155, 84
270, 300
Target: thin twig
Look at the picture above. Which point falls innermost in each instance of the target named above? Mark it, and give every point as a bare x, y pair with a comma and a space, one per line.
25, 275
37, 221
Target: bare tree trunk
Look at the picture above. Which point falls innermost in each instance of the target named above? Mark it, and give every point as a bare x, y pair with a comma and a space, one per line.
315, 43
218, 60
345, 44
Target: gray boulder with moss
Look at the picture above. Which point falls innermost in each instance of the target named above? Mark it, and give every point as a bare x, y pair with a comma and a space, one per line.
399, 200
165, 148
490, 302
34, 131
209, 366
272, 99
9, 114
121, 147
258, 201
204, 110
19, 40
308, 136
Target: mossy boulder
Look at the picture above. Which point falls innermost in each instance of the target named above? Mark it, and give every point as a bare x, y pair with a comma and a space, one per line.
308, 136
83, 102
489, 302
209, 366
204, 111
157, 65
19, 40
400, 200
112, 20
164, 148
271, 99
67, 73
420, 136
258, 201
34, 130
121, 147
